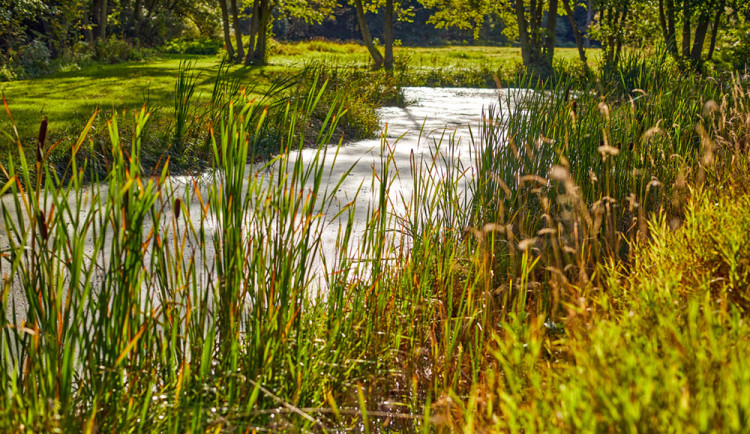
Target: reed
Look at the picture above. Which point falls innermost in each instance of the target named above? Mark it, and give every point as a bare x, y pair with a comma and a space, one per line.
586, 271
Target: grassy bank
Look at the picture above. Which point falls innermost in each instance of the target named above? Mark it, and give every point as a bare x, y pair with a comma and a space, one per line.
69, 98
596, 279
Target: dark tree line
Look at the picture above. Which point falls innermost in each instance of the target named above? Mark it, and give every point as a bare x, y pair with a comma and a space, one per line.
691, 30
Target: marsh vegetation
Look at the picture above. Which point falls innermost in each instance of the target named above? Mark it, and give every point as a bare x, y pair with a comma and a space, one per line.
191, 245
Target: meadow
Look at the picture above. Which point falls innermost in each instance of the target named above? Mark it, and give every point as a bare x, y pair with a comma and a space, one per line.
69, 98
594, 280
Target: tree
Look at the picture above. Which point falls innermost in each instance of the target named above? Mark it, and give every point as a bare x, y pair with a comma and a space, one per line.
225, 28
610, 29
14, 16
576, 33
377, 58
237, 30
260, 19
261, 16
537, 38
392, 10
463, 14
388, 35
693, 37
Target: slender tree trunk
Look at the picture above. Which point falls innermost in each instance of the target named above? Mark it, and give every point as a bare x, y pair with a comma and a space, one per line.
225, 25
388, 35
663, 21
88, 35
237, 31
126, 17
137, 17
103, 20
537, 24
686, 28
576, 33
671, 40
621, 22
589, 19
254, 25
715, 30
700, 38
551, 33
377, 58
264, 17
523, 34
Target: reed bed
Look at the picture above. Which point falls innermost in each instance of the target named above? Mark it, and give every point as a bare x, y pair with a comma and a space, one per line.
587, 271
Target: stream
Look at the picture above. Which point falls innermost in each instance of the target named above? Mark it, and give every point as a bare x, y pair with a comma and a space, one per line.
432, 116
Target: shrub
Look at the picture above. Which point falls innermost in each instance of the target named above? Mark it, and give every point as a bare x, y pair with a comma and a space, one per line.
116, 50
205, 46
33, 60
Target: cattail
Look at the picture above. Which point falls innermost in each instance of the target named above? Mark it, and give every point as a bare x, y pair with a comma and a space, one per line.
559, 173
607, 150
573, 113
547, 231
709, 108
532, 179
525, 244
651, 132
492, 227
177, 206
41, 140
500, 183
604, 109
42, 221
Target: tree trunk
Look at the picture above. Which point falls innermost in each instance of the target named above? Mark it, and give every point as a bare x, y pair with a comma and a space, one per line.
261, 35
88, 35
126, 17
254, 25
103, 20
237, 31
685, 28
551, 33
225, 25
388, 34
576, 33
537, 44
663, 22
589, 19
137, 17
536, 24
699, 40
671, 40
523, 34
621, 21
377, 58
715, 30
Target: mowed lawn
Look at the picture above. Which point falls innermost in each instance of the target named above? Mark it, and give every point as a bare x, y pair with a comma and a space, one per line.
68, 99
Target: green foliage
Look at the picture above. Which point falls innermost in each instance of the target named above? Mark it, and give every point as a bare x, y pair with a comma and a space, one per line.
734, 46
587, 271
33, 60
115, 50
14, 15
203, 46
462, 14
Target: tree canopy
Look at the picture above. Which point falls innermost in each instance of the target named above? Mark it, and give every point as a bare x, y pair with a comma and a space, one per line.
690, 30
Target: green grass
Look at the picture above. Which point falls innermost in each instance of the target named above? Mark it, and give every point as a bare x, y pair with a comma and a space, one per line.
68, 99
427, 57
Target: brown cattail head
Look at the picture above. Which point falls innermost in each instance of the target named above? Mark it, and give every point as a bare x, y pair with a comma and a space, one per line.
41, 140
42, 221
177, 207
